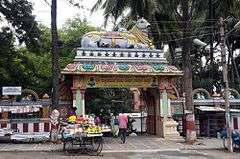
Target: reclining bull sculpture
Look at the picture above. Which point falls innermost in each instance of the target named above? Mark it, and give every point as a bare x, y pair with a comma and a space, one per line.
137, 38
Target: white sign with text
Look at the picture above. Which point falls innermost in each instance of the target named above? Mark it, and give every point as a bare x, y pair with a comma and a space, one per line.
11, 90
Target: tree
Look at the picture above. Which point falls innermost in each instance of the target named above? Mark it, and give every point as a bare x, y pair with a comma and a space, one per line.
21, 27
71, 35
18, 14
55, 55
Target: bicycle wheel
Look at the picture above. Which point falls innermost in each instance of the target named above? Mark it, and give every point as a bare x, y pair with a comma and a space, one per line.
96, 146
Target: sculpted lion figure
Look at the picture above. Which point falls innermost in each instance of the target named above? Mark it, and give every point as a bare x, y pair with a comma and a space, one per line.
137, 38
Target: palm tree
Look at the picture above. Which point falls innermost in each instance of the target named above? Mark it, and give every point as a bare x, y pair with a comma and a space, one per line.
116, 8
165, 15
55, 64
55, 54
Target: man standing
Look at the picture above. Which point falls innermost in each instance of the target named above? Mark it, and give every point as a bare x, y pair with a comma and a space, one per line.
123, 120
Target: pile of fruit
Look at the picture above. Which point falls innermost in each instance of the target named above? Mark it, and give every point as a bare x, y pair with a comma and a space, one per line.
85, 125
93, 129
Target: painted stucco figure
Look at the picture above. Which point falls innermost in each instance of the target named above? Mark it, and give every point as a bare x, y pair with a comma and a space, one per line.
54, 119
137, 38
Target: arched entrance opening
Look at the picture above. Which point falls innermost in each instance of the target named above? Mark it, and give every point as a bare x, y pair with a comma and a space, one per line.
107, 102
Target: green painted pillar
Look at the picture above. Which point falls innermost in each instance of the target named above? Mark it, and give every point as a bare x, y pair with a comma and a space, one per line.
78, 102
164, 105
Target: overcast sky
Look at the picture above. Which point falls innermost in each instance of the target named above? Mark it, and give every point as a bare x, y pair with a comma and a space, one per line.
66, 11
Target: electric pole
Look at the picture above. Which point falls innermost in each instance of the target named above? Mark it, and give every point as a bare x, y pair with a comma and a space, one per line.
226, 87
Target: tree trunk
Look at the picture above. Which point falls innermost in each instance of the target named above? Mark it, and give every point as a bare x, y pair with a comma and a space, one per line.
55, 65
229, 66
210, 16
55, 55
187, 72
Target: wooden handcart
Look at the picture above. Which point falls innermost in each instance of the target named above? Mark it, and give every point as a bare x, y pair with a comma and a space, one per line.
91, 144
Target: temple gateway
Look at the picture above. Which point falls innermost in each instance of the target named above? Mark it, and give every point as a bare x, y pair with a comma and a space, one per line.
126, 60
135, 69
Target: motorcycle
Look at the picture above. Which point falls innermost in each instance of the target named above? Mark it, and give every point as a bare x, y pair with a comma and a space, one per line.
235, 138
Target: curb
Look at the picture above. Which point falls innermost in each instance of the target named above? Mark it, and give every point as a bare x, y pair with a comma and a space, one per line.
103, 151
139, 151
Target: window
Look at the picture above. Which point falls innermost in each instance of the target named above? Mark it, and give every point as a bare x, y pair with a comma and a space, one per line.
25, 127
46, 127
235, 123
36, 127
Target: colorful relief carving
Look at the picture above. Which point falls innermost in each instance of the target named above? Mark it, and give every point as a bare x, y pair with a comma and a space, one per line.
119, 81
107, 67
158, 67
169, 68
71, 67
88, 66
141, 67
79, 82
91, 82
172, 68
123, 66
164, 83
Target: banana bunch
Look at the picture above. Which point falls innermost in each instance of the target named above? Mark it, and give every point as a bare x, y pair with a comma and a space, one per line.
92, 129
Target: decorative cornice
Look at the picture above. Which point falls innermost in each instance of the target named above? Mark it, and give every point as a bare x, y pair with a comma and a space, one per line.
119, 55
121, 68
120, 61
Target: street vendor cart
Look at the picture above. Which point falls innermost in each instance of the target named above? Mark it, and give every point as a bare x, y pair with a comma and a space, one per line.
82, 137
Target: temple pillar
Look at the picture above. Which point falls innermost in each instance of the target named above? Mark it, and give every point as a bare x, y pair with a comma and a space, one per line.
78, 91
167, 127
136, 99
79, 101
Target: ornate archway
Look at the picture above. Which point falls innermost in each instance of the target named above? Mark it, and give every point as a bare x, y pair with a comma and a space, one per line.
30, 92
234, 94
173, 93
201, 93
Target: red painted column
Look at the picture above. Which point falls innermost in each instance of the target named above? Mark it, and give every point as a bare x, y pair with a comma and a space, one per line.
190, 126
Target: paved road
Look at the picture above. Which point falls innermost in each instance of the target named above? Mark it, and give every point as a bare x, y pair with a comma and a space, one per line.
184, 154
133, 144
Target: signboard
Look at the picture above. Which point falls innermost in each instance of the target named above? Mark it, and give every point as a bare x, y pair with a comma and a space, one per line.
177, 109
120, 81
11, 90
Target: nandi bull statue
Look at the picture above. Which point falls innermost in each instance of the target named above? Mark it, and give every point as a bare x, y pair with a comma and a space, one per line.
137, 38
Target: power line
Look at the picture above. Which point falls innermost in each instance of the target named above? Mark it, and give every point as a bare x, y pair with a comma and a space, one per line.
47, 3
188, 37
181, 30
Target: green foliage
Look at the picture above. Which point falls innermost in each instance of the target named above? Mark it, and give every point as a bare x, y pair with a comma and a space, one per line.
18, 14
103, 101
30, 65
71, 35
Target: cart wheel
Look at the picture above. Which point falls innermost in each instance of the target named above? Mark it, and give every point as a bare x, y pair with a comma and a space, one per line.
95, 147
68, 146
225, 145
